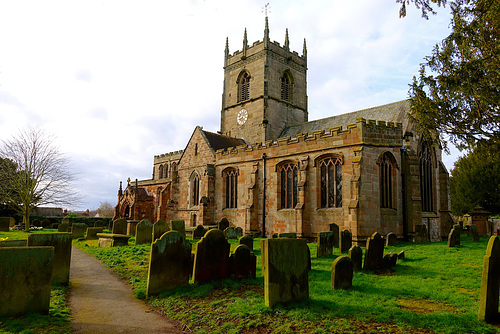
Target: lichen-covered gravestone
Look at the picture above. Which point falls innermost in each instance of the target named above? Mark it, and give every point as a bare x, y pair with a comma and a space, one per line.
342, 273
144, 232
211, 260
62, 253
285, 267
374, 252
78, 230
336, 234
243, 262
291, 235
356, 255
179, 226
421, 235
391, 239
63, 227
119, 226
246, 240
132, 226
25, 280
14, 243
230, 233
199, 232
223, 224
4, 224
454, 238
474, 233
92, 232
325, 243
159, 228
169, 264
490, 282
345, 241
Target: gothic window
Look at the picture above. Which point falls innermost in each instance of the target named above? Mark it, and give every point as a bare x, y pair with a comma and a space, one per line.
231, 178
285, 87
289, 189
174, 166
160, 172
331, 182
195, 189
166, 171
196, 149
244, 87
386, 181
425, 169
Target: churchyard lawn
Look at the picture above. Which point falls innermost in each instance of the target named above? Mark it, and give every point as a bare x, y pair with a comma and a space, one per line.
435, 289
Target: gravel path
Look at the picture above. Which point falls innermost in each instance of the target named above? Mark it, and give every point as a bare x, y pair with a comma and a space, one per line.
101, 303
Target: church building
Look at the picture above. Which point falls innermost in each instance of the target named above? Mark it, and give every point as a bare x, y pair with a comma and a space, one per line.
271, 170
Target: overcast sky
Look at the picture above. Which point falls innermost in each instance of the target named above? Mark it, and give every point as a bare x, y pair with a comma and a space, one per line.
118, 82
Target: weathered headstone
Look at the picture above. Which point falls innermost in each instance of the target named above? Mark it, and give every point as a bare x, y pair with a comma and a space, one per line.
179, 226
239, 231
119, 226
342, 273
112, 240
46, 223
490, 282
325, 243
62, 253
421, 235
336, 234
246, 240
36, 222
78, 230
391, 239
25, 279
374, 252
474, 233
356, 255
243, 262
345, 242
211, 260
285, 267
92, 232
14, 243
223, 224
229, 233
401, 255
291, 235
5, 223
132, 226
144, 232
454, 238
159, 228
170, 263
63, 227
199, 232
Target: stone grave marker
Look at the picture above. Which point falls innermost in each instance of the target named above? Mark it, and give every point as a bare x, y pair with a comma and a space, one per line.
239, 232
169, 264
26, 274
144, 232
421, 235
345, 241
159, 228
78, 230
132, 226
62, 253
223, 224
46, 223
474, 233
199, 232
336, 234
119, 226
374, 252
356, 256
391, 239
291, 235
63, 227
325, 243
243, 262
401, 255
92, 232
211, 259
230, 233
246, 240
14, 243
285, 267
490, 282
5, 224
342, 273
178, 225
454, 238
36, 222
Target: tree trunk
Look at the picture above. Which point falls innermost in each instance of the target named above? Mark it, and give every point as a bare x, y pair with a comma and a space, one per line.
26, 220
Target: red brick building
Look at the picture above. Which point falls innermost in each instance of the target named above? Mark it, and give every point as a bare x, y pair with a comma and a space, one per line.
270, 170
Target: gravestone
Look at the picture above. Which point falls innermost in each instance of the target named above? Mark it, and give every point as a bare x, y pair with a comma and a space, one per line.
199, 232
62, 253
179, 226
144, 232
336, 234
490, 282
421, 235
474, 233
325, 243
345, 242
5, 223
342, 273
92, 232
239, 232
223, 224
46, 223
393, 259
78, 230
401, 255
454, 238
14, 243
229, 233
36, 222
374, 252
391, 239
63, 227
112, 240
243, 262
132, 226
159, 228
25, 274
291, 235
119, 226
211, 259
356, 256
169, 264
246, 240
285, 267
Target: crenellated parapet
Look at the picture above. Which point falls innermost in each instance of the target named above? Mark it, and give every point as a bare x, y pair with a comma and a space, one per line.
175, 155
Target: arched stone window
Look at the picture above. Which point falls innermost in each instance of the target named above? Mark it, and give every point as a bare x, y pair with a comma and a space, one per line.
174, 166
288, 185
286, 87
194, 186
243, 87
231, 184
425, 169
160, 172
166, 171
387, 172
330, 182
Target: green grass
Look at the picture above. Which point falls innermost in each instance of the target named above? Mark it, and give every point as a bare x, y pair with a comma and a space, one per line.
17, 235
436, 289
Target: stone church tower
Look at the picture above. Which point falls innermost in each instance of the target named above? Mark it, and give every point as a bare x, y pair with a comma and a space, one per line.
265, 90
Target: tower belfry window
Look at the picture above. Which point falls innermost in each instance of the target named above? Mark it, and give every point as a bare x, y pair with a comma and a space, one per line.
426, 184
285, 87
244, 87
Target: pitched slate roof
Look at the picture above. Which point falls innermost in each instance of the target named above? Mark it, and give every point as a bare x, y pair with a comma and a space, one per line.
393, 112
217, 141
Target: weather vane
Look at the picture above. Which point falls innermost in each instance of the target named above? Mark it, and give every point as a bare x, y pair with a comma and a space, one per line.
266, 9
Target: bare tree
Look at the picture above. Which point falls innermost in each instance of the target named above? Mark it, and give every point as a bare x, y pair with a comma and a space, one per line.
106, 210
42, 175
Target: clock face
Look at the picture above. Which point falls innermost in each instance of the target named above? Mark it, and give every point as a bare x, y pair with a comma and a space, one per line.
242, 117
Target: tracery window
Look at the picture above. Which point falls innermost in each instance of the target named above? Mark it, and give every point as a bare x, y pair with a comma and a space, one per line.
231, 178
386, 181
331, 182
244, 87
285, 87
195, 189
289, 188
425, 169
165, 171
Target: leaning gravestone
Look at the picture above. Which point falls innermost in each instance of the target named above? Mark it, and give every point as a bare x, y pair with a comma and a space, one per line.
454, 238
62, 253
342, 273
345, 241
325, 243
5, 224
25, 274
211, 259
179, 226
199, 232
92, 232
356, 255
391, 239
119, 226
170, 263
490, 282
159, 228
230, 233
246, 240
63, 227
144, 232
239, 231
474, 233
285, 267
243, 262
78, 230
336, 234
223, 224
401, 255
374, 252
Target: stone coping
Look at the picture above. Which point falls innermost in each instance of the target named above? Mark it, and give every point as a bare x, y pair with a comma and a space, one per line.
112, 236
